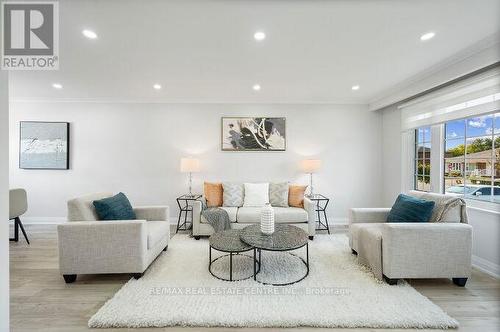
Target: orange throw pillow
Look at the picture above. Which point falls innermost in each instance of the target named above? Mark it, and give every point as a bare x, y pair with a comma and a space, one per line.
213, 194
296, 195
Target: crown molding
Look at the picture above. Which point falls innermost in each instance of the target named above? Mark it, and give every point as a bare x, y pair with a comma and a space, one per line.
483, 54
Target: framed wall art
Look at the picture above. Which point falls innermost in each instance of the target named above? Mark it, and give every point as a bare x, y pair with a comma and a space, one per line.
253, 134
44, 145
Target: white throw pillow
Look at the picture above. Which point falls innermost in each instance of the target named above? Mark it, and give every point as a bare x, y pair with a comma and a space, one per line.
256, 194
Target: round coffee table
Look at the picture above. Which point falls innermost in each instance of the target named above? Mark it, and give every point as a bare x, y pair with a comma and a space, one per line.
229, 242
284, 238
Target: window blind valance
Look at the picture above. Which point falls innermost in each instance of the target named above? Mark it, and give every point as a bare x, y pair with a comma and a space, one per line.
475, 95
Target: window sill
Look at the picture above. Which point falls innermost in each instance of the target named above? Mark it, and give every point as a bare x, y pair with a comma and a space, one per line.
488, 207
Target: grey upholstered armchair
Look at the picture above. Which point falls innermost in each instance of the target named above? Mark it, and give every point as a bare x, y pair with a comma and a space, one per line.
90, 246
18, 205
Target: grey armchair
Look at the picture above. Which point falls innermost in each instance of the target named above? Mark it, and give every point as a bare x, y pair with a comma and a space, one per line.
18, 205
90, 246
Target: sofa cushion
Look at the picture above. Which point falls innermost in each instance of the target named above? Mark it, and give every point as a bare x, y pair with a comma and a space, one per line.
290, 215
157, 230
117, 207
82, 209
410, 209
231, 211
278, 194
251, 215
233, 194
256, 194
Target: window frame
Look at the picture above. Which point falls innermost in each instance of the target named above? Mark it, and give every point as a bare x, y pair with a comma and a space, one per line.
466, 167
416, 160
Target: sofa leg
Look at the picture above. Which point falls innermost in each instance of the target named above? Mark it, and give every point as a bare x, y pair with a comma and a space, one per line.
390, 281
69, 278
354, 252
165, 249
460, 282
197, 237
137, 275
311, 237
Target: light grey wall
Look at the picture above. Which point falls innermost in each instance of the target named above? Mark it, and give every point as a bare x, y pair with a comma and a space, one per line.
391, 154
4, 201
136, 148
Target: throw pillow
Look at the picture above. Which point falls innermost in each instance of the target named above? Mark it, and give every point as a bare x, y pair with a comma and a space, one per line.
296, 195
256, 194
278, 194
114, 208
233, 194
213, 194
410, 209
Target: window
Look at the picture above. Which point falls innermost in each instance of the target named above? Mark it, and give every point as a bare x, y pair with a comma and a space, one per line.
422, 174
472, 157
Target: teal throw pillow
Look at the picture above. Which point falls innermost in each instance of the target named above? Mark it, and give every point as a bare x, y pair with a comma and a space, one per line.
410, 209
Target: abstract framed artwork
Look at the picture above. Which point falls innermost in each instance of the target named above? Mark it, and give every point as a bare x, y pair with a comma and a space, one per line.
253, 134
44, 145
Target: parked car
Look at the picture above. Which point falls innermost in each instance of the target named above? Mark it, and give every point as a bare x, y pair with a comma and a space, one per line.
473, 190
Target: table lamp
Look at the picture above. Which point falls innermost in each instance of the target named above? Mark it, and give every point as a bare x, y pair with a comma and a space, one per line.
311, 166
190, 165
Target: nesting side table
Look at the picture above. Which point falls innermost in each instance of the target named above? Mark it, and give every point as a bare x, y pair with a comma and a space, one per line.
185, 207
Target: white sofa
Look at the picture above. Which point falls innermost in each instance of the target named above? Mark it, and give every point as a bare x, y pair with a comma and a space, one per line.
241, 217
90, 246
413, 250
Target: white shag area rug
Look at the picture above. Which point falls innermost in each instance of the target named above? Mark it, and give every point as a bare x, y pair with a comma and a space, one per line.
178, 290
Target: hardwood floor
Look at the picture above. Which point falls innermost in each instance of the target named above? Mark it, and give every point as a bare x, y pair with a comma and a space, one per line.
41, 301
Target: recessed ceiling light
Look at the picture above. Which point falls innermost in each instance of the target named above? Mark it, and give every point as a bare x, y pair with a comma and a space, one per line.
259, 36
427, 36
355, 87
57, 86
256, 87
89, 34
157, 86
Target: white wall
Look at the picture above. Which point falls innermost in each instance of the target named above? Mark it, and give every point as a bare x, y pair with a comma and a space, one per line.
4, 202
136, 148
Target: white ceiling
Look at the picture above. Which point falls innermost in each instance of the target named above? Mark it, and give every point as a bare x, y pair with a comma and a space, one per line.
204, 51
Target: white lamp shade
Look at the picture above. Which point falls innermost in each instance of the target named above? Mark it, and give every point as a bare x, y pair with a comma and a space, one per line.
311, 165
190, 165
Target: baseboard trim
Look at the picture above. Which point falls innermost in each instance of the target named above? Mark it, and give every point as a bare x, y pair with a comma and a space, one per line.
486, 266
334, 222
43, 220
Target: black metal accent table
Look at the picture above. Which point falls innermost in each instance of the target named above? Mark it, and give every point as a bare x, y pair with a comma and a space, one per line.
186, 208
321, 203
229, 242
284, 238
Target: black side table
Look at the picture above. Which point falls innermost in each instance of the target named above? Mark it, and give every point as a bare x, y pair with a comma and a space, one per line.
185, 207
321, 205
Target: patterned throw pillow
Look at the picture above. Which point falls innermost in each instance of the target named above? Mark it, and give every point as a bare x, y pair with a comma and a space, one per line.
296, 195
278, 194
233, 194
213, 194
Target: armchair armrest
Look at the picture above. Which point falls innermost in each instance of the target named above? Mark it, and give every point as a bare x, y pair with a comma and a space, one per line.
197, 207
102, 246
368, 215
426, 250
310, 207
152, 213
